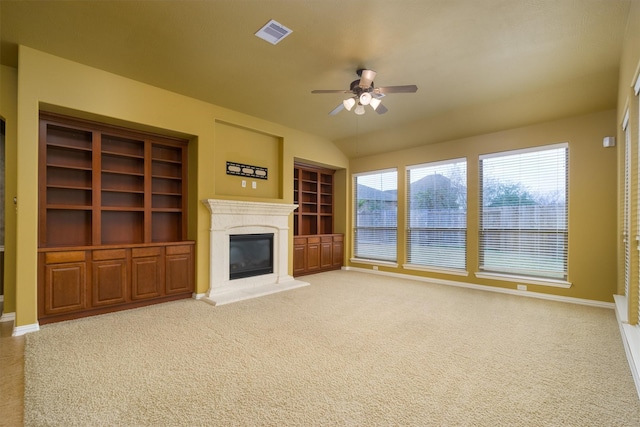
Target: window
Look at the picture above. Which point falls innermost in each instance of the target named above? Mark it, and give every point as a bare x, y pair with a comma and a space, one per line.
437, 214
523, 212
626, 202
376, 215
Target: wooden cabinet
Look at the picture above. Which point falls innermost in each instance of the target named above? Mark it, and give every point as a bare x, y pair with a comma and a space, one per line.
118, 197
313, 254
313, 193
84, 281
315, 247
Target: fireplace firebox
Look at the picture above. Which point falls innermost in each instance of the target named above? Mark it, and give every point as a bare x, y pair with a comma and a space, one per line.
250, 255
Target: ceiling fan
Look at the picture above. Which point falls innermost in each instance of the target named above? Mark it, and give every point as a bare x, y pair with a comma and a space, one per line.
365, 93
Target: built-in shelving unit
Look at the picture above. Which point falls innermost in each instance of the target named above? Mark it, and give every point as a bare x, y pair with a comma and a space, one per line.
108, 188
316, 248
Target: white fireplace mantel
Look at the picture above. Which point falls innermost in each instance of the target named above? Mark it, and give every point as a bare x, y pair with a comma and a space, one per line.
230, 217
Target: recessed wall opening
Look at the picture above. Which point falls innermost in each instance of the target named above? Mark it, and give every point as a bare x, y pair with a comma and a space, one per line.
250, 255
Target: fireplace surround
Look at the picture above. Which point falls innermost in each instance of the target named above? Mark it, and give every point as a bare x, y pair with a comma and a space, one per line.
231, 217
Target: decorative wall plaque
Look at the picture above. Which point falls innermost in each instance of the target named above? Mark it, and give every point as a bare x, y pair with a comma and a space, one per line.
246, 170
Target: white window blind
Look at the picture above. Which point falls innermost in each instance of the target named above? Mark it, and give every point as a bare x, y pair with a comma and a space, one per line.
376, 215
523, 212
626, 219
437, 214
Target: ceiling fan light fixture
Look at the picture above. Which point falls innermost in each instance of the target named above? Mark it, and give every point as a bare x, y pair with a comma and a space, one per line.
375, 102
365, 98
359, 109
349, 103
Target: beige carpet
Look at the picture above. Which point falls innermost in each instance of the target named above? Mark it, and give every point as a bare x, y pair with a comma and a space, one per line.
352, 349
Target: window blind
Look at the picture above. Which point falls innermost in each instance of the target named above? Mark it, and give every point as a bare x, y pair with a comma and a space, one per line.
437, 214
523, 212
376, 215
626, 210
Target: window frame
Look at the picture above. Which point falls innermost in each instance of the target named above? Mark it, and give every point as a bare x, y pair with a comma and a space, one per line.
366, 258
436, 266
511, 276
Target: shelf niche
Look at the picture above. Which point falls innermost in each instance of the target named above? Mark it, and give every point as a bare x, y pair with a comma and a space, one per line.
107, 191
316, 247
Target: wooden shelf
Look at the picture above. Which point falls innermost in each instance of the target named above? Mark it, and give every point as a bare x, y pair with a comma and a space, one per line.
315, 246
100, 187
313, 192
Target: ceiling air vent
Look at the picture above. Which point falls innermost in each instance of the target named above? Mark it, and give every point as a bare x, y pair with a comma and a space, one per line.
273, 32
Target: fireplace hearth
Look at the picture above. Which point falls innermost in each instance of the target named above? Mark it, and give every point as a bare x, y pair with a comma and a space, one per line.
232, 219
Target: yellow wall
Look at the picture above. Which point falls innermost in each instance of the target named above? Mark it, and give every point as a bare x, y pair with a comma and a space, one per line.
592, 197
248, 147
8, 94
49, 82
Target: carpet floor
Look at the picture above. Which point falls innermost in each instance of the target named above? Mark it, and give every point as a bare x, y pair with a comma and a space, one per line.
352, 349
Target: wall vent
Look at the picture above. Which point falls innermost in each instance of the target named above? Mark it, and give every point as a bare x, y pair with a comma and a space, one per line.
273, 32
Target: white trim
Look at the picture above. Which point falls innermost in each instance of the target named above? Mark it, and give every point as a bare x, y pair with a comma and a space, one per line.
25, 329
524, 150
198, 296
437, 163
375, 262
524, 279
451, 271
636, 86
539, 295
375, 172
1, 298
630, 338
8, 317
625, 120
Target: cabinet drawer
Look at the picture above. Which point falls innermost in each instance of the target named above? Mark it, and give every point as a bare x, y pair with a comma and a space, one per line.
63, 257
313, 240
146, 252
108, 254
177, 250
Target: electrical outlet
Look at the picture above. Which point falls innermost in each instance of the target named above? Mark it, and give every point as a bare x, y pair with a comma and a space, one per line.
244, 183
522, 287
375, 267
254, 185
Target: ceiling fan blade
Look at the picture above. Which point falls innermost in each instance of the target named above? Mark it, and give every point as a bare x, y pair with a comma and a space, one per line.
336, 110
331, 91
397, 89
366, 78
381, 109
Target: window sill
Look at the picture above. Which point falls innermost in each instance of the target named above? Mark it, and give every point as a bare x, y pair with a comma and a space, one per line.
525, 280
374, 262
451, 271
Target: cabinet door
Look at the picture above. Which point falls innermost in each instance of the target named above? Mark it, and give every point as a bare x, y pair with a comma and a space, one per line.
65, 287
178, 270
313, 253
146, 273
109, 277
326, 252
338, 251
299, 256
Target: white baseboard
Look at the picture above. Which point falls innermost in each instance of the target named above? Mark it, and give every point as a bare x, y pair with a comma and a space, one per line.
8, 317
25, 329
198, 296
529, 294
630, 338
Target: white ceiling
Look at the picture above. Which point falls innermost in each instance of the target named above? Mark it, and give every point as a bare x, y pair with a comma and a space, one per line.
480, 65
